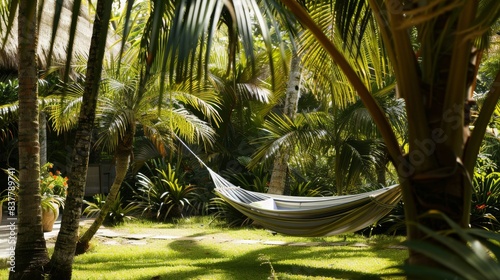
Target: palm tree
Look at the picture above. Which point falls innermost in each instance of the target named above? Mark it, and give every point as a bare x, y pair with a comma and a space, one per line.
62, 258
245, 99
435, 80
277, 183
343, 137
31, 252
126, 105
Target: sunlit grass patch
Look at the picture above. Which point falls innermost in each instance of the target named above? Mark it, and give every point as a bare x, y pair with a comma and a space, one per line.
227, 260
217, 252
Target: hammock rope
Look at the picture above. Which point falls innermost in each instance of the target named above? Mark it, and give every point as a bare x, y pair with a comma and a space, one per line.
307, 216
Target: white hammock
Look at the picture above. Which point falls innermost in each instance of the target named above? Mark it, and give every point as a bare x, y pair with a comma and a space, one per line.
308, 216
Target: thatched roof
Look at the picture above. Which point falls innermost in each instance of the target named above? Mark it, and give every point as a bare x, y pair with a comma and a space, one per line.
8, 55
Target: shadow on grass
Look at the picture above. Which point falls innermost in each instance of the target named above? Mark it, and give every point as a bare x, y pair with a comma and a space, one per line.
190, 259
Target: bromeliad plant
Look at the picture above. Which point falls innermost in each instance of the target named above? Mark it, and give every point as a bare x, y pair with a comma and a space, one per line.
116, 215
164, 194
486, 201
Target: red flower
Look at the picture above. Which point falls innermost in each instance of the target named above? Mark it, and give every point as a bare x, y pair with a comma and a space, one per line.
480, 207
488, 193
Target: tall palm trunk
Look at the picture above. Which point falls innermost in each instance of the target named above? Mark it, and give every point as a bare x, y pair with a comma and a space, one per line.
123, 156
43, 137
277, 184
62, 259
437, 178
30, 251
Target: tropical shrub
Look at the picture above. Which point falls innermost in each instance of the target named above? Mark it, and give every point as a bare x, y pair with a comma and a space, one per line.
117, 214
256, 180
485, 207
164, 194
227, 213
308, 188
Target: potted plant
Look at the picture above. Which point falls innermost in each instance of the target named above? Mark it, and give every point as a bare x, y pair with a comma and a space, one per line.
53, 188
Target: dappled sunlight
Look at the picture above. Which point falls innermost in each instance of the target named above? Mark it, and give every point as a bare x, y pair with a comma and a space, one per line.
199, 258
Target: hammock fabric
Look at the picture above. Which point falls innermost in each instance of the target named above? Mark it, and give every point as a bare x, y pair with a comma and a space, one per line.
307, 216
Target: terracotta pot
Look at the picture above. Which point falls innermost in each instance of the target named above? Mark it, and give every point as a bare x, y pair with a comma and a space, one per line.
49, 217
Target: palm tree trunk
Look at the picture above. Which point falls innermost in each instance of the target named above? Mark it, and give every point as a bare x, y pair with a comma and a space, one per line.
122, 161
43, 137
438, 180
277, 184
30, 251
64, 251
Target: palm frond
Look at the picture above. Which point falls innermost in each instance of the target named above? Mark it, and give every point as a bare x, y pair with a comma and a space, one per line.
8, 9
283, 133
191, 128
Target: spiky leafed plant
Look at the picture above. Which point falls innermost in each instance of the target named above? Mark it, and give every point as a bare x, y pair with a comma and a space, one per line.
163, 194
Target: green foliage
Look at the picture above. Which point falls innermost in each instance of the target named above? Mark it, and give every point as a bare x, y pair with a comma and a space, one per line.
486, 201
462, 253
163, 194
116, 214
256, 180
305, 189
227, 213
53, 187
8, 91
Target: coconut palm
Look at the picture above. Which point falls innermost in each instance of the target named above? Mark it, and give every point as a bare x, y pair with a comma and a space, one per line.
62, 258
31, 252
245, 99
126, 105
344, 137
435, 76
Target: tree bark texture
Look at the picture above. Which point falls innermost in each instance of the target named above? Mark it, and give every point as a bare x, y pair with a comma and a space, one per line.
30, 249
277, 183
432, 174
43, 137
64, 251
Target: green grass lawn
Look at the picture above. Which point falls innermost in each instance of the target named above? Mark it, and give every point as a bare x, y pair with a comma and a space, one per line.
220, 255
